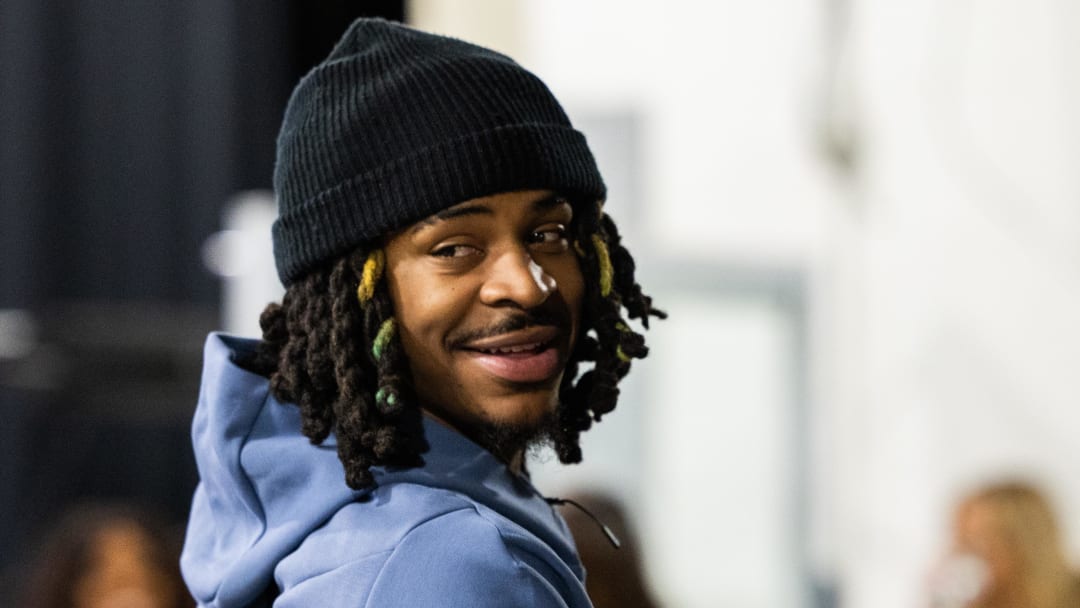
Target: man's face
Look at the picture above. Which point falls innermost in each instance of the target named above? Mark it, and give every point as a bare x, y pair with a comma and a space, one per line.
487, 296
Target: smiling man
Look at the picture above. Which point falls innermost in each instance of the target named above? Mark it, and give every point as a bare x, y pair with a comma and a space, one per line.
448, 267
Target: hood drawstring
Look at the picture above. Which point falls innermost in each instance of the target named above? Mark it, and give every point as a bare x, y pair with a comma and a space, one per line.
614, 540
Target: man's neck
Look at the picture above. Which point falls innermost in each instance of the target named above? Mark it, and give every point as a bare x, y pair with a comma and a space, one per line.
514, 460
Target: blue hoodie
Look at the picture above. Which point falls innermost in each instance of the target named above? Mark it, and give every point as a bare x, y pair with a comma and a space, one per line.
272, 508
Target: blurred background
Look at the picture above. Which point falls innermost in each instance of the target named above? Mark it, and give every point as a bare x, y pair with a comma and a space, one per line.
862, 215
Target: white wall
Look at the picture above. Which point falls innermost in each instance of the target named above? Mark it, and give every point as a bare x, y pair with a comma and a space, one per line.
969, 233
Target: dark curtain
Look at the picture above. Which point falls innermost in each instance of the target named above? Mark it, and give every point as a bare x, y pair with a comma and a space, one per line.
125, 127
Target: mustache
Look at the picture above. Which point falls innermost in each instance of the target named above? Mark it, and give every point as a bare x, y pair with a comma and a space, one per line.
514, 322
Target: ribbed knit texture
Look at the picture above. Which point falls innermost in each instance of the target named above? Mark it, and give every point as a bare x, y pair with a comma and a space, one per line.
397, 124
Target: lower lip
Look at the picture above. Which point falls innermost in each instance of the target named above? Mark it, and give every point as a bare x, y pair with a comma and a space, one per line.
533, 366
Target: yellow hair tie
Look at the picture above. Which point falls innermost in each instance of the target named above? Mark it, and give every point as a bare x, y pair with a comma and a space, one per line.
605, 264
621, 355
373, 269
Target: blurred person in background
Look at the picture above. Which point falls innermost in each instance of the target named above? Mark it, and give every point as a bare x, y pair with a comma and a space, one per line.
615, 576
106, 556
448, 264
1007, 552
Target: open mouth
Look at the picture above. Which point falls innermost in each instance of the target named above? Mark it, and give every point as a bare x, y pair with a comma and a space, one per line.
514, 350
525, 356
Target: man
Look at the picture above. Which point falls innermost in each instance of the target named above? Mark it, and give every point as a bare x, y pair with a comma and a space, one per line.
448, 266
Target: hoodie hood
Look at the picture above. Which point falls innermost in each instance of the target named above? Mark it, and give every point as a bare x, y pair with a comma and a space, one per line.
264, 487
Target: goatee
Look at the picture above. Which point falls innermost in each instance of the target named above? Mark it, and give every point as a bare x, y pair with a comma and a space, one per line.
507, 440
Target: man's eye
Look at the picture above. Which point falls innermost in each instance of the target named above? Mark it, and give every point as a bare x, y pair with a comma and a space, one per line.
454, 251
548, 236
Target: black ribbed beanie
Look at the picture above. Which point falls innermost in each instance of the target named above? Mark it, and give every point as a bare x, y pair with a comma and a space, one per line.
397, 124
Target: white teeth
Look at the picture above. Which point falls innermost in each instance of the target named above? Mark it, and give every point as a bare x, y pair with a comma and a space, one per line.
507, 350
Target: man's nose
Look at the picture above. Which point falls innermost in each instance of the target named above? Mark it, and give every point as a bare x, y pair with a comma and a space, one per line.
515, 278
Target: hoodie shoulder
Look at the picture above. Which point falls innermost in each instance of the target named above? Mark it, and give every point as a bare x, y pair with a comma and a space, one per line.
463, 559
457, 554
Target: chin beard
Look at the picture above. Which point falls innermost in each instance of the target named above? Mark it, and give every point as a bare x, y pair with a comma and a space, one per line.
506, 440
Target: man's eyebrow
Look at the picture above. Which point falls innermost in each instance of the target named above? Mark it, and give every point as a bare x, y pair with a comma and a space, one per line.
540, 205
549, 202
452, 212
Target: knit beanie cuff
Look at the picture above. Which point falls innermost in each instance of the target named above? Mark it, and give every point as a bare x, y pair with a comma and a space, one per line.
387, 198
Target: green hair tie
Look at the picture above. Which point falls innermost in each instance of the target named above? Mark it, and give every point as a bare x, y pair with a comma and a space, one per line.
621, 355
383, 396
386, 333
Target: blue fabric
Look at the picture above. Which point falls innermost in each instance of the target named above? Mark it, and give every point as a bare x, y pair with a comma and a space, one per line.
272, 508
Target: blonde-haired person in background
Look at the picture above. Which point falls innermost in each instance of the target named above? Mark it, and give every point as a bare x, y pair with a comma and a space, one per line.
1007, 552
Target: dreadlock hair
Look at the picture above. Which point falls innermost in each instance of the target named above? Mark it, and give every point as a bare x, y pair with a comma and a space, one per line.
331, 348
339, 361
